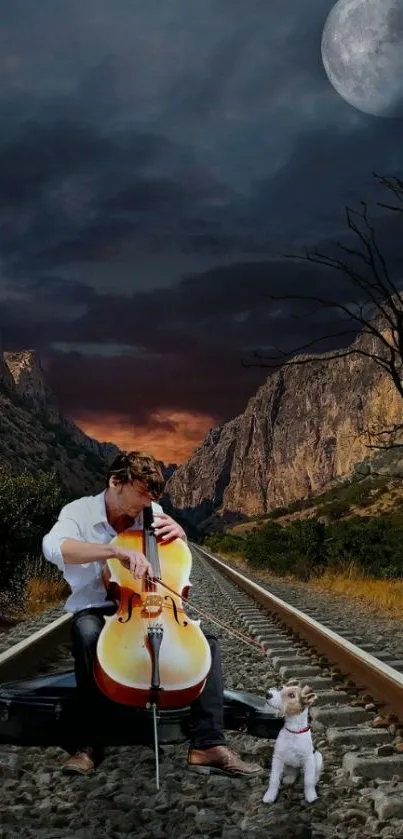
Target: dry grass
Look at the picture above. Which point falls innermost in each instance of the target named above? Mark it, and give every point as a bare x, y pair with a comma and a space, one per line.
44, 594
37, 596
380, 596
238, 559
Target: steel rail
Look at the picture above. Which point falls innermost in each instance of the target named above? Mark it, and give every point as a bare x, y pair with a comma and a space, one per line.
21, 657
384, 683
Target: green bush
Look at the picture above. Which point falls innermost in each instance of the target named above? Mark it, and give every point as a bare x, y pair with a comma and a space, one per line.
306, 548
375, 545
337, 509
226, 542
357, 494
278, 512
29, 505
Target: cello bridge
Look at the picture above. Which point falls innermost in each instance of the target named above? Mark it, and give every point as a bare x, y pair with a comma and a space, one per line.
153, 604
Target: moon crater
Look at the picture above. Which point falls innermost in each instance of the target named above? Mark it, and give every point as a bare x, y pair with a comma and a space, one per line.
362, 53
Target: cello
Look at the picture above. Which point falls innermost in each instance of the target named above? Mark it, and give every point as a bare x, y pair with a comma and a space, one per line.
149, 653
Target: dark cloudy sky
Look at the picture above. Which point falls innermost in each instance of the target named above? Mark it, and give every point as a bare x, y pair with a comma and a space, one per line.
157, 159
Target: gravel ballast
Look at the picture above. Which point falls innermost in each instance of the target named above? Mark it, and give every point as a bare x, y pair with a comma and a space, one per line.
354, 618
120, 800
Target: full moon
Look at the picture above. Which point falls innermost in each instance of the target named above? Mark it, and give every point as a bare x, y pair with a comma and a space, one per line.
362, 53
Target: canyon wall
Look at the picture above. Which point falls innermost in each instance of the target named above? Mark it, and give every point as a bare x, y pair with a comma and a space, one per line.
305, 427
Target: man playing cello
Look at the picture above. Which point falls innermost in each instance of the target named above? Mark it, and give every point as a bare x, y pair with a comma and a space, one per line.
79, 545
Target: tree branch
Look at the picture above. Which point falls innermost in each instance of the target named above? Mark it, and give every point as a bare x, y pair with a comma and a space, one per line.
377, 313
320, 359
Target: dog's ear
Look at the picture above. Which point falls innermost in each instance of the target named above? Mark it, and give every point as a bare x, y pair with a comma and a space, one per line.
308, 697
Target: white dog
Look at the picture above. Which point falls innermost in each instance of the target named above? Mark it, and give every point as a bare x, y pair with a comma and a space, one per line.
293, 749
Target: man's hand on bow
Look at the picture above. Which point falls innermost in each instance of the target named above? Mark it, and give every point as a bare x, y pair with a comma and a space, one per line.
135, 562
167, 528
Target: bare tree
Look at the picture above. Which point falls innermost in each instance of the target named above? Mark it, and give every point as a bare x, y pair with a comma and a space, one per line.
376, 310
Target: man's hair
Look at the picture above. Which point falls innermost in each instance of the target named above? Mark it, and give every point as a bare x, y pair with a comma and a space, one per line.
138, 466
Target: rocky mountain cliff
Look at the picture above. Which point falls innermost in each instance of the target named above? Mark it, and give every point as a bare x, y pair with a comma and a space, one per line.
304, 428
31, 386
34, 434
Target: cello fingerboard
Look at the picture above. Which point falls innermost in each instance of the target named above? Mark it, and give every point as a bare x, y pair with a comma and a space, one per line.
150, 542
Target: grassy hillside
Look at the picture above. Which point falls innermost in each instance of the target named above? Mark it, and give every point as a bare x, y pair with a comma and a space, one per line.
368, 497
348, 540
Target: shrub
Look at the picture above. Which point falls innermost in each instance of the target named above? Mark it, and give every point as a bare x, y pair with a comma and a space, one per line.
278, 512
337, 509
29, 505
373, 546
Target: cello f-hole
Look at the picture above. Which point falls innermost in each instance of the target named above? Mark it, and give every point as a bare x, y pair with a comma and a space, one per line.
175, 611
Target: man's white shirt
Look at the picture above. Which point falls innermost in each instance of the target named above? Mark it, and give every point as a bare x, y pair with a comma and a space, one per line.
84, 519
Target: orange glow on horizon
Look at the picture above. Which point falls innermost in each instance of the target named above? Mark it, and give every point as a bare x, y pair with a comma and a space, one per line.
171, 445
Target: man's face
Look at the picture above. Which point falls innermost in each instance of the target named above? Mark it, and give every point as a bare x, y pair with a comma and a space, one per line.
133, 497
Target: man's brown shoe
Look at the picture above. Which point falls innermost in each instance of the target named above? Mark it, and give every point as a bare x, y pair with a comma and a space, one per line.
82, 761
219, 760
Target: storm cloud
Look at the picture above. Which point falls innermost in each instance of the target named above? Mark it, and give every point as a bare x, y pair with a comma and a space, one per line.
156, 163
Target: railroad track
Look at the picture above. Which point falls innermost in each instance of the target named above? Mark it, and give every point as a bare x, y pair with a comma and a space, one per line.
24, 656
360, 697
362, 669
